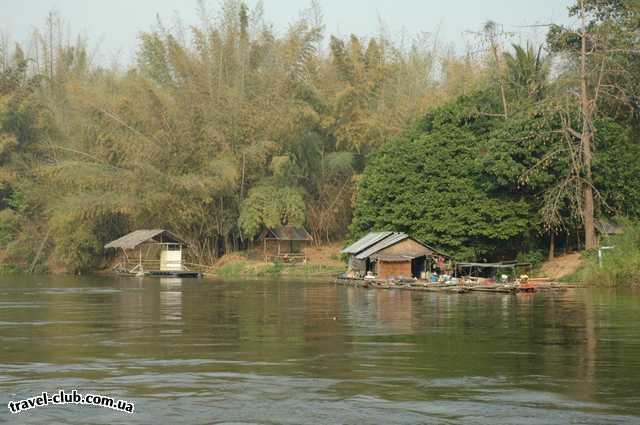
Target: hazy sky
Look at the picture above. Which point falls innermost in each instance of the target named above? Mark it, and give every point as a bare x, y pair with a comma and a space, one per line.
113, 25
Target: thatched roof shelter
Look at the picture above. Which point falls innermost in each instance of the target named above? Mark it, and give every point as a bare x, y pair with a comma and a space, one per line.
152, 240
138, 237
285, 243
286, 233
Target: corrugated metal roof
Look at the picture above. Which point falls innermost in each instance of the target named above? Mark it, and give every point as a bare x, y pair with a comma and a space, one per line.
134, 239
365, 242
286, 233
394, 238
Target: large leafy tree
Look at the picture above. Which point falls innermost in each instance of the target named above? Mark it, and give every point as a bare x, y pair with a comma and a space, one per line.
432, 184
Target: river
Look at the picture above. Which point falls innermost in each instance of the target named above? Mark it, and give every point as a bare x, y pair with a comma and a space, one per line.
294, 352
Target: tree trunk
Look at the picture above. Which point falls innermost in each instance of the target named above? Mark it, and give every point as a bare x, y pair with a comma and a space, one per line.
552, 247
586, 139
589, 222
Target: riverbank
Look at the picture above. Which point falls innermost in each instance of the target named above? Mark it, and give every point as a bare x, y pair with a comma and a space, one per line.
325, 261
321, 261
621, 266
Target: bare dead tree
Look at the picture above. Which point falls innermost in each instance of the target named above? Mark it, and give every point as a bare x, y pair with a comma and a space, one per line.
591, 50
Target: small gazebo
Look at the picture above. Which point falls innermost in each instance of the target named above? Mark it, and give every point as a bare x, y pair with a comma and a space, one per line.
139, 251
285, 243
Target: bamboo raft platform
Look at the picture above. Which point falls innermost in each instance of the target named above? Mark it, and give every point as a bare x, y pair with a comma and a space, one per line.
458, 288
172, 273
151, 268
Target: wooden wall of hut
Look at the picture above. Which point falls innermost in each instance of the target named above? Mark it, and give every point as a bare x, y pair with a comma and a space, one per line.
278, 247
389, 269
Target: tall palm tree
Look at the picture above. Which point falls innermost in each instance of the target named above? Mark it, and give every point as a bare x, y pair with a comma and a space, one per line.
527, 70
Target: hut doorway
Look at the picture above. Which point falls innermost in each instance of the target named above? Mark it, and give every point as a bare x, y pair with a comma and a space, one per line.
418, 265
371, 266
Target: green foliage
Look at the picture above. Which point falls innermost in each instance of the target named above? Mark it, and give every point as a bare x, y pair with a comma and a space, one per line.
270, 206
617, 170
535, 257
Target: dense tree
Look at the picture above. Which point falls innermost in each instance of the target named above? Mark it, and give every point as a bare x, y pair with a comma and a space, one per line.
215, 131
432, 183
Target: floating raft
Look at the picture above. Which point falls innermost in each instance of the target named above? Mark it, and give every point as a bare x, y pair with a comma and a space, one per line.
405, 285
410, 285
502, 288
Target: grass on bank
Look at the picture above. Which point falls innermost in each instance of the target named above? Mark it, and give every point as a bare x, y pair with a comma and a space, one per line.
620, 265
258, 269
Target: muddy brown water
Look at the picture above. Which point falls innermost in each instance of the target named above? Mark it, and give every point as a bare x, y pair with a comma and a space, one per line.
294, 352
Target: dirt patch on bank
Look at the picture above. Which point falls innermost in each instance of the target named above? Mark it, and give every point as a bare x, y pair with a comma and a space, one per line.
321, 261
561, 266
328, 254
232, 257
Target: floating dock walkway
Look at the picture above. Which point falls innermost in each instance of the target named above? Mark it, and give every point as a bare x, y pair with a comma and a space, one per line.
458, 288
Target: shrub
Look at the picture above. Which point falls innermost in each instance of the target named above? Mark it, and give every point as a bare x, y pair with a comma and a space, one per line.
535, 257
272, 270
232, 269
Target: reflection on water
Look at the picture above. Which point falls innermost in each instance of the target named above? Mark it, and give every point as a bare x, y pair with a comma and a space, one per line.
197, 351
171, 298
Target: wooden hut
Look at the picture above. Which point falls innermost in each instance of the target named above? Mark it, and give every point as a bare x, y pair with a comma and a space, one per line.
393, 255
284, 243
139, 251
